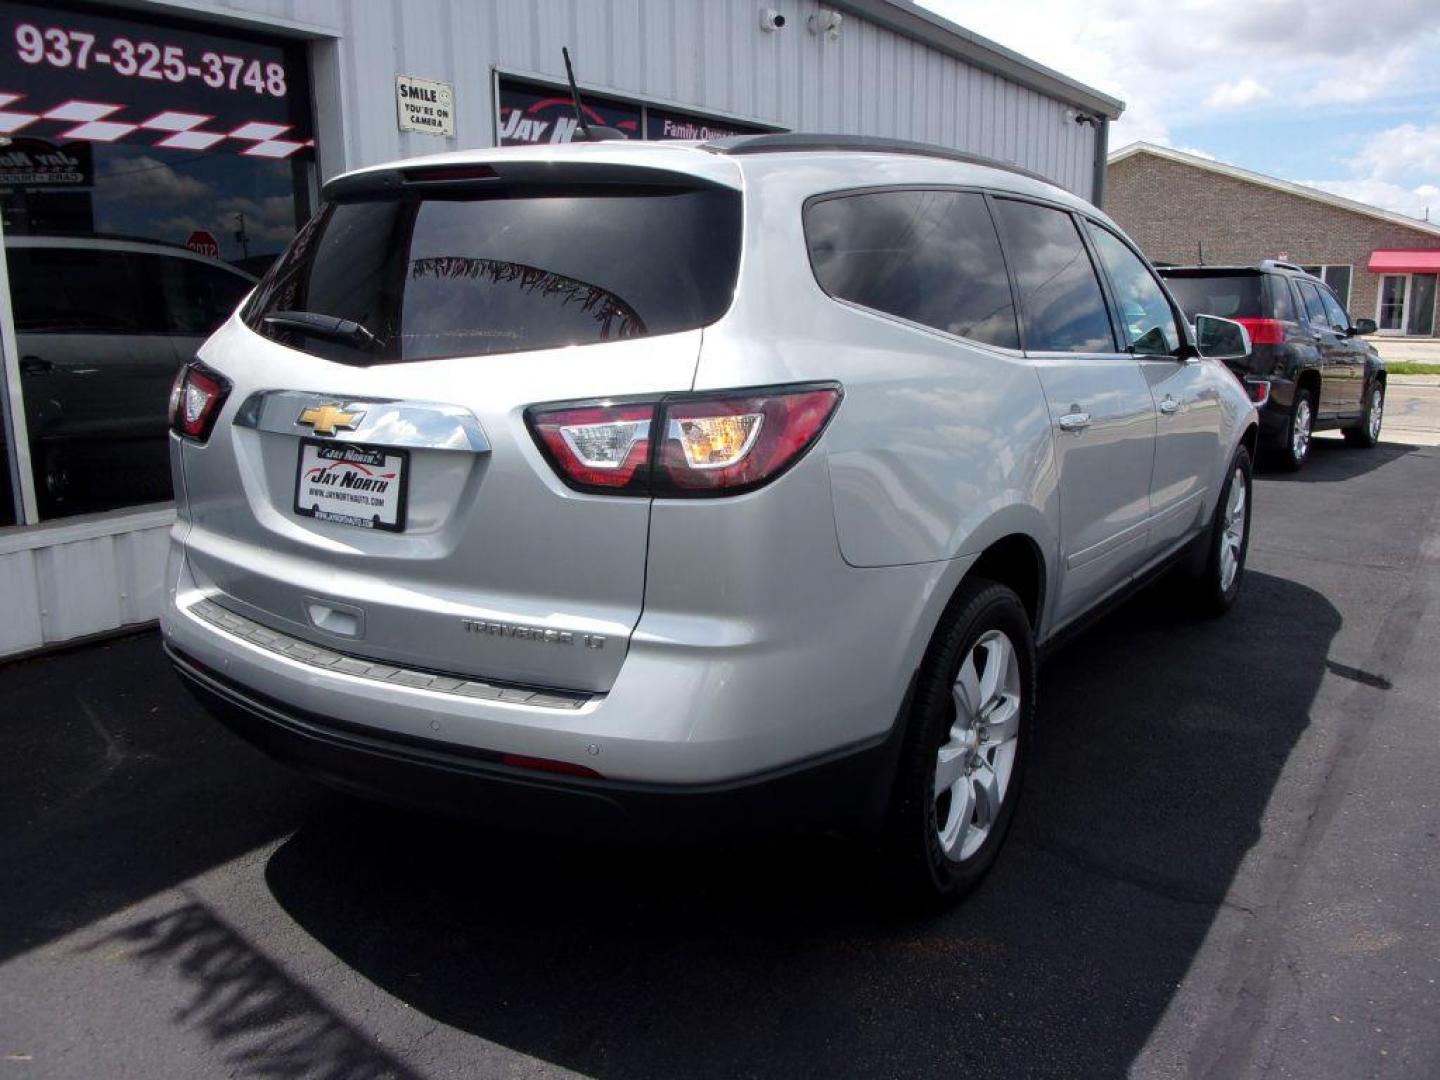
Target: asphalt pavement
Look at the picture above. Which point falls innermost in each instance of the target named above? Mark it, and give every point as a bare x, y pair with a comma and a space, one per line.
1225, 865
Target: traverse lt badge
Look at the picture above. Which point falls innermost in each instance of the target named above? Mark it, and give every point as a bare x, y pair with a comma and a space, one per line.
328, 419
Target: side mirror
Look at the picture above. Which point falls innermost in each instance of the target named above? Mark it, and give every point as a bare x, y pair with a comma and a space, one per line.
1221, 339
1363, 326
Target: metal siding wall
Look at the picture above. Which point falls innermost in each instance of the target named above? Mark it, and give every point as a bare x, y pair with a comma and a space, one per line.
707, 54
66, 590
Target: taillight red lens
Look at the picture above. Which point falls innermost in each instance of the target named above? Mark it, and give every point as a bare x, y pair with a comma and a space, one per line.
195, 400
598, 447
1258, 389
728, 443
1264, 331
683, 445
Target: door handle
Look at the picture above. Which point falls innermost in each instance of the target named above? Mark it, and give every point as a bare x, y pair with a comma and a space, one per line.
1075, 421
33, 365
1169, 406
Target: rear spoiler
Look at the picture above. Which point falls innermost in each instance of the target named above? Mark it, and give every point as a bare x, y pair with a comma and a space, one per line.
472, 179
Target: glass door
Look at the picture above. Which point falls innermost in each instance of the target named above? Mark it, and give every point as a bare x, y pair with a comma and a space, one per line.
1420, 319
1391, 316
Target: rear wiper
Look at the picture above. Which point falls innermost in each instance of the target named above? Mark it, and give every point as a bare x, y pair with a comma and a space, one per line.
312, 322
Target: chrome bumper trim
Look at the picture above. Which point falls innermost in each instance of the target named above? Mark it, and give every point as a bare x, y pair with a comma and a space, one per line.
316, 656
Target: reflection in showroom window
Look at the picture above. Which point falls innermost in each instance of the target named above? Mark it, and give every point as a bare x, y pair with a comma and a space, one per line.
128, 241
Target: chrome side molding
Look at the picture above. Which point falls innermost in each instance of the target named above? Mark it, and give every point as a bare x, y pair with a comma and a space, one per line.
421, 425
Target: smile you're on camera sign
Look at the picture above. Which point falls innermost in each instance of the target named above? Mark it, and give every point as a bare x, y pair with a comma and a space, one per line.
425, 106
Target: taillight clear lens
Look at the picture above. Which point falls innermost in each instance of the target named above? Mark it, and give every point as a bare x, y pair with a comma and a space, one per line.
195, 400
598, 447
727, 443
720, 443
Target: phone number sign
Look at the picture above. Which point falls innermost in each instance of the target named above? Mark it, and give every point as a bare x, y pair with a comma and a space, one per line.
99, 78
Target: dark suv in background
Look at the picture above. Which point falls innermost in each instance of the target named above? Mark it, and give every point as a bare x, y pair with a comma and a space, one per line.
1309, 370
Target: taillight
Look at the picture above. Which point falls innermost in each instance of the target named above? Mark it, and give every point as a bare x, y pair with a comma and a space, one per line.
195, 400
600, 447
683, 445
1258, 389
1264, 331
728, 443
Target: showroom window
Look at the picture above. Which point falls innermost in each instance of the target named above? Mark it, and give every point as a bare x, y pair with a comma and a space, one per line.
150, 170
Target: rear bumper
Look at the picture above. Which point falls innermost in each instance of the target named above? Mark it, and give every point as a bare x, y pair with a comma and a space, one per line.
846, 789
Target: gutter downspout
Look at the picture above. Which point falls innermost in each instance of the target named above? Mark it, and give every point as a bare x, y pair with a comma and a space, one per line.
1102, 153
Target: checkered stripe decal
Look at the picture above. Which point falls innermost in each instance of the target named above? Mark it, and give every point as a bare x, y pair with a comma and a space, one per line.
96, 121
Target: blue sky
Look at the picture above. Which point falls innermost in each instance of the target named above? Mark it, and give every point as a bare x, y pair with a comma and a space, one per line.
1344, 96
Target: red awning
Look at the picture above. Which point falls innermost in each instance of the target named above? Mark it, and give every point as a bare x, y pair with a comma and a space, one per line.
1405, 261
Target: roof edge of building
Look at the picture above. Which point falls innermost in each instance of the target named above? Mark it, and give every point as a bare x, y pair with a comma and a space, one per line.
1289, 187
918, 24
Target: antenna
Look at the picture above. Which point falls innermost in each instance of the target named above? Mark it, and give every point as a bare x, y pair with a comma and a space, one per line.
583, 131
1200, 251
580, 120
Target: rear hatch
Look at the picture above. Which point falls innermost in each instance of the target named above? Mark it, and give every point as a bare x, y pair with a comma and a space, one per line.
372, 486
1238, 293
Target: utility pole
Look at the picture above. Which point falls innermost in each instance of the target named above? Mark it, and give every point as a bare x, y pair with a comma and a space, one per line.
241, 236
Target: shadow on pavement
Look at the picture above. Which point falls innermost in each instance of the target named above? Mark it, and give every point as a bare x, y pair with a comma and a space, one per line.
115, 786
1161, 741
263, 1022
1332, 460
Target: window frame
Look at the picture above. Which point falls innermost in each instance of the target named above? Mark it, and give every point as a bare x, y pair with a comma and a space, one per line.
881, 189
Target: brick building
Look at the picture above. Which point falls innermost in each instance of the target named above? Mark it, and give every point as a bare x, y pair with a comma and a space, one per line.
1186, 209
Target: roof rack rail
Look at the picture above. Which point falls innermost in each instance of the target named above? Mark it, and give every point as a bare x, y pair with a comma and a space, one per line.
1279, 265
781, 142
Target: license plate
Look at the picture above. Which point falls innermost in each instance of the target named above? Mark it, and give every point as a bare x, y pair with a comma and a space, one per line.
352, 484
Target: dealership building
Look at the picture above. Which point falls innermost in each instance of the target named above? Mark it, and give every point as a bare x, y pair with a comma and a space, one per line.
155, 158
1182, 208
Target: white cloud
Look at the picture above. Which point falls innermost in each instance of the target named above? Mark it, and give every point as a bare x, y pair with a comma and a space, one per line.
1417, 202
146, 178
1233, 95
1398, 152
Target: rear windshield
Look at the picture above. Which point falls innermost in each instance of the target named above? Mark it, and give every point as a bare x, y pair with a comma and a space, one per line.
508, 272
1230, 296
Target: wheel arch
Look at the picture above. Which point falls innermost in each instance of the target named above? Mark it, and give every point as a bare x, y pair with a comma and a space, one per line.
1309, 379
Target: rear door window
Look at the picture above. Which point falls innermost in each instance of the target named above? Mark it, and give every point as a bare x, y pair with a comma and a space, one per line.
1061, 305
513, 271
930, 257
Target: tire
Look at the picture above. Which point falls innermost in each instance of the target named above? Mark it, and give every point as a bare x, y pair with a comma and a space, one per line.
1366, 434
1299, 429
1227, 541
983, 648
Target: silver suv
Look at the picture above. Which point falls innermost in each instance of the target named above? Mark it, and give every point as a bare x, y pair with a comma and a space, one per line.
635, 485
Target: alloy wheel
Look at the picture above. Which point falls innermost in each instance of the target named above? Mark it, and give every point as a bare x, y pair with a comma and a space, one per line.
1232, 534
1300, 430
973, 767
1377, 411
